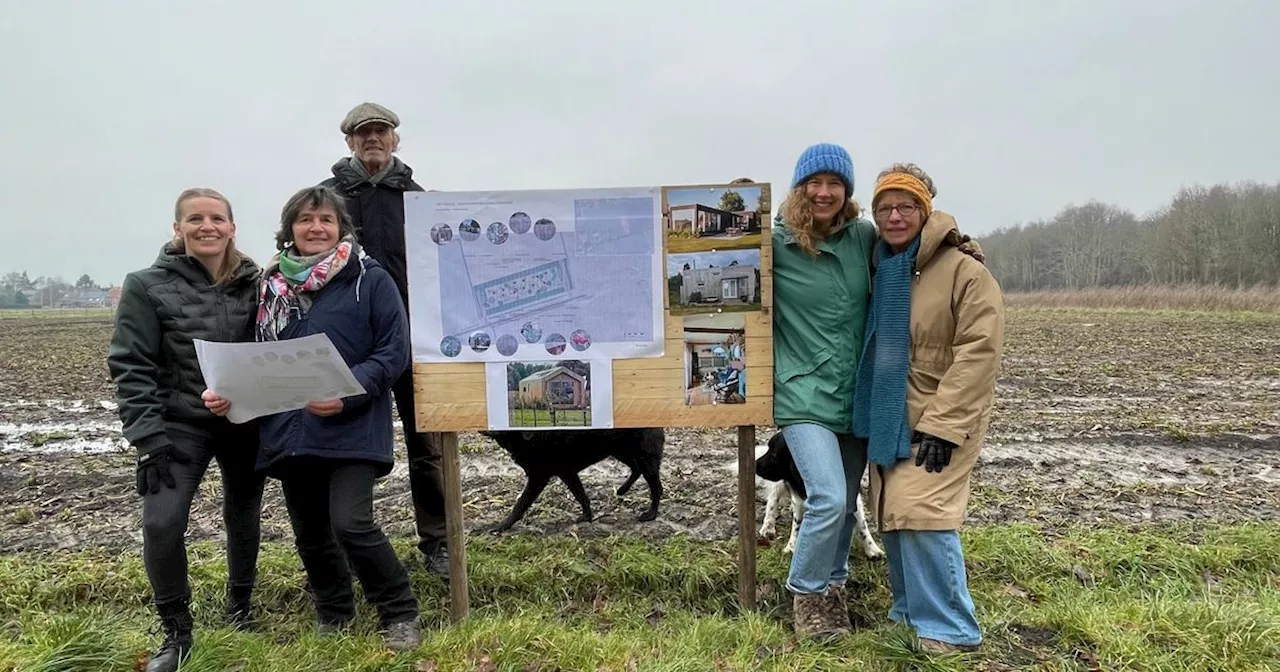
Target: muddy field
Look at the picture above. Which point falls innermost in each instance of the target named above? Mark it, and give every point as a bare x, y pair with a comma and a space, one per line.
1103, 417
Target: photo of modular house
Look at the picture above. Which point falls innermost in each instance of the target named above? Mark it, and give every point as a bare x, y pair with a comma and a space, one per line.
736, 283
556, 386
704, 220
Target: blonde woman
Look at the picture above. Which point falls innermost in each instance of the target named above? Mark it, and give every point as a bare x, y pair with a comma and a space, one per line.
821, 290
200, 287
923, 400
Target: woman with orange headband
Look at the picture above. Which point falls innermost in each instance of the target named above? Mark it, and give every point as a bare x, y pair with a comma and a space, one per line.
925, 386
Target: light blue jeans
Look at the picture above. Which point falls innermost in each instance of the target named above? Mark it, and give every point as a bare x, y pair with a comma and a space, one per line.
832, 467
930, 588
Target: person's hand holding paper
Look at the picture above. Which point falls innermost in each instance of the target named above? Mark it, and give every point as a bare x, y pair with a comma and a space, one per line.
250, 380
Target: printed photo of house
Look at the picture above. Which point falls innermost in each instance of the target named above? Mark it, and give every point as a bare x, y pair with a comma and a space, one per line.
713, 282
549, 394
701, 219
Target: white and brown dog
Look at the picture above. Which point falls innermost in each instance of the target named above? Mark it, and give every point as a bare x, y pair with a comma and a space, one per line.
777, 456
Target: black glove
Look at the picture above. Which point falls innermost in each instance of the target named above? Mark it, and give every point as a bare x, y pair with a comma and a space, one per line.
934, 453
154, 468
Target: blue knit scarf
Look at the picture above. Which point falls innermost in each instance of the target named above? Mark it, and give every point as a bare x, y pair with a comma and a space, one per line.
880, 393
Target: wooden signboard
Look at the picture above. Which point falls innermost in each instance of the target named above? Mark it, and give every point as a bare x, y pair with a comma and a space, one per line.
717, 364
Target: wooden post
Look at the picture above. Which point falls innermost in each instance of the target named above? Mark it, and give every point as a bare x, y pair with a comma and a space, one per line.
747, 517
459, 600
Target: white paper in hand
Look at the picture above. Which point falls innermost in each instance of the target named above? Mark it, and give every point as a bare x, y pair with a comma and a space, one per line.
264, 378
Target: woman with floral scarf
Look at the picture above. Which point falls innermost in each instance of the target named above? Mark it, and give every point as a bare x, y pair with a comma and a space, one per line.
329, 454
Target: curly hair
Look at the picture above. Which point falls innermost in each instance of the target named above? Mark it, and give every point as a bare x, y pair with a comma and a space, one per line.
797, 214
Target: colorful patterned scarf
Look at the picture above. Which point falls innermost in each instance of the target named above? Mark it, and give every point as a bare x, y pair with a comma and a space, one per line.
289, 283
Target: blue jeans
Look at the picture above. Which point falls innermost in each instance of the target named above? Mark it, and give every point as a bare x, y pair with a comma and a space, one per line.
930, 588
831, 466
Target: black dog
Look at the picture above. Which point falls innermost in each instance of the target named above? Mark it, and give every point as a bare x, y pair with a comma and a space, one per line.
548, 454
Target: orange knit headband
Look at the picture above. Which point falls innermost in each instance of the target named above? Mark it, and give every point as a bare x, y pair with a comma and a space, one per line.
908, 183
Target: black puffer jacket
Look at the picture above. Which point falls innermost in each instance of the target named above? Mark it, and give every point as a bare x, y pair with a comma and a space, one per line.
378, 213
152, 358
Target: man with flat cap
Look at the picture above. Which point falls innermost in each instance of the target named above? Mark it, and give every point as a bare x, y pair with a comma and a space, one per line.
374, 180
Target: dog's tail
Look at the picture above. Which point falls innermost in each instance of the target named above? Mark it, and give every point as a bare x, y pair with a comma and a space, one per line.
732, 467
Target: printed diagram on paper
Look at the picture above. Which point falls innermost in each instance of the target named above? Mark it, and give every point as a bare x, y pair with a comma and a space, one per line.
506, 276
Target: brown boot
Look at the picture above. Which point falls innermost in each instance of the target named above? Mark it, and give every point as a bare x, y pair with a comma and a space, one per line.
838, 604
814, 617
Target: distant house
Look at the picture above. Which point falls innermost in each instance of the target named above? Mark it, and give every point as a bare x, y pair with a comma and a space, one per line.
557, 386
113, 297
85, 298
718, 285
704, 220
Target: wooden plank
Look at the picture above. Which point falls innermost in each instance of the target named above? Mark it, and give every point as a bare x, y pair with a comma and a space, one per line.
674, 413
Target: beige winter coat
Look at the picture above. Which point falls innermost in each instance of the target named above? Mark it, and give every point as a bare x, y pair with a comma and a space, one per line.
957, 337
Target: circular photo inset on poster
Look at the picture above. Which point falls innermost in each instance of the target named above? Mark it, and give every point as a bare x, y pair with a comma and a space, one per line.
469, 229
544, 229
520, 223
555, 344
479, 341
507, 345
497, 233
531, 331
441, 234
580, 340
450, 346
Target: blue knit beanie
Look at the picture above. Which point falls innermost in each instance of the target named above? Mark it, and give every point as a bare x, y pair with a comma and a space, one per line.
825, 157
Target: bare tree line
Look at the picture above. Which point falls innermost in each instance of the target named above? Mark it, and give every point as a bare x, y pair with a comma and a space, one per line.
1226, 235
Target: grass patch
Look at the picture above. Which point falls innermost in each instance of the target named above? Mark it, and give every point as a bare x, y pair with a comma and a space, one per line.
1211, 298
682, 245
54, 313
530, 417
708, 308
1142, 598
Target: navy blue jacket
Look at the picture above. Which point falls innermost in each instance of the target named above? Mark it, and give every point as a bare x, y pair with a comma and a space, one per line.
372, 334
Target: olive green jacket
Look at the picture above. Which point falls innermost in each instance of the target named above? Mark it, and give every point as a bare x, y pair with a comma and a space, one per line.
819, 320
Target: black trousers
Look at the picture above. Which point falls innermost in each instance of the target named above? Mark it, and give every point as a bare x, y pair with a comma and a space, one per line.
330, 506
426, 480
166, 513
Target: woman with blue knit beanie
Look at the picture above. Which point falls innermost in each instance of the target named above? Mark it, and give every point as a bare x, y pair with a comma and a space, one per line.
923, 398
821, 291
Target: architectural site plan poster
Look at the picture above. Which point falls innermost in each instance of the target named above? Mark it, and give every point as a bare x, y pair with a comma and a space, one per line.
535, 275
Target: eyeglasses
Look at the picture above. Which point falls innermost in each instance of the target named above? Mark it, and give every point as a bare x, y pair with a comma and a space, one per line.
906, 210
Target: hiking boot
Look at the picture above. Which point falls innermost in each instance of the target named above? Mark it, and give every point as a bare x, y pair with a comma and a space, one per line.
403, 636
436, 560
175, 618
239, 611
937, 646
814, 617
838, 604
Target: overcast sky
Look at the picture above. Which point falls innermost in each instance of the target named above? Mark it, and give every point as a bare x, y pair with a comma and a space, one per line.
1015, 107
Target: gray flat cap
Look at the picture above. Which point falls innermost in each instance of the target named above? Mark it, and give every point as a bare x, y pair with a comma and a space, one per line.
365, 113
